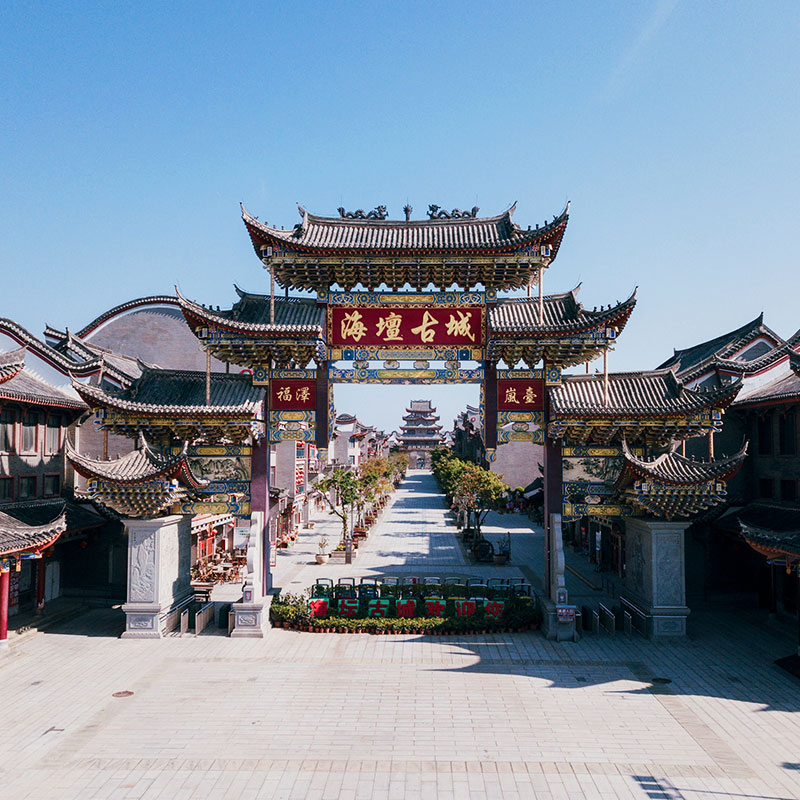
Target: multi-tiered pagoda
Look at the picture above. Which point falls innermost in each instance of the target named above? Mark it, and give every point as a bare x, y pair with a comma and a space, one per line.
420, 433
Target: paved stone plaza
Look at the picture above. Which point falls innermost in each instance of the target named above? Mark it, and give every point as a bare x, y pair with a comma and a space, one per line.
301, 715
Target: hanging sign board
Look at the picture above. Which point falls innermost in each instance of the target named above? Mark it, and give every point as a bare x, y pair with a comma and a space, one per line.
287, 394
359, 326
520, 395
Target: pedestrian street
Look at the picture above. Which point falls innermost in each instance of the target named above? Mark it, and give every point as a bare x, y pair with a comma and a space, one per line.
314, 715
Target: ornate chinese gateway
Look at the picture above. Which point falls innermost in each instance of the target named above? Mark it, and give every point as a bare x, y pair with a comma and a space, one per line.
418, 302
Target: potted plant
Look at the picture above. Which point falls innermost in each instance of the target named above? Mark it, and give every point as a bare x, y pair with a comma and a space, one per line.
323, 555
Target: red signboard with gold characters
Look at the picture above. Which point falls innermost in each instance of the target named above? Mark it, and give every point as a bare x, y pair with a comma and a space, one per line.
520, 395
397, 326
292, 395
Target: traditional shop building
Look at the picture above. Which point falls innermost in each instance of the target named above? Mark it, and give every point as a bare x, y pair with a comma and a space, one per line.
44, 538
749, 545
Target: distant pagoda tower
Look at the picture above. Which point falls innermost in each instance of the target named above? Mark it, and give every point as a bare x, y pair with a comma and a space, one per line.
420, 433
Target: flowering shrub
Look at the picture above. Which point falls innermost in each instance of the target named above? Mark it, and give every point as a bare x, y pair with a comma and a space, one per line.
450, 615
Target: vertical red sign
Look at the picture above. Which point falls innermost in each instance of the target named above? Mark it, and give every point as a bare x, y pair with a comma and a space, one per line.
292, 395
520, 395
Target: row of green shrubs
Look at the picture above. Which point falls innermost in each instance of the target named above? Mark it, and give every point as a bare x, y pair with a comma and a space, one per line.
415, 625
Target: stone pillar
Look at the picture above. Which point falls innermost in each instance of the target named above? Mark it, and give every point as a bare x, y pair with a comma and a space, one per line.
248, 616
159, 561
655, 577
558, 616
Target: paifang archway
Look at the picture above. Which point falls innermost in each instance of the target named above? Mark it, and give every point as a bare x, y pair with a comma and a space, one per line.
428, 292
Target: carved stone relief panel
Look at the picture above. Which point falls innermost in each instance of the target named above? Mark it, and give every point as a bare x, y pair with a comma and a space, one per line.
141, 621
669, 570
142, 549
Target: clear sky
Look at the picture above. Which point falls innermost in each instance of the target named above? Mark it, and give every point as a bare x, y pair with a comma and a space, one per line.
129, 133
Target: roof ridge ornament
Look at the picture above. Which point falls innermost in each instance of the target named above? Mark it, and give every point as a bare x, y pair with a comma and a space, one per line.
437, 212
379, 212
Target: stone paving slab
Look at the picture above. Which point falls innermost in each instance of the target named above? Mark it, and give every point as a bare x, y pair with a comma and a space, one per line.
306, 715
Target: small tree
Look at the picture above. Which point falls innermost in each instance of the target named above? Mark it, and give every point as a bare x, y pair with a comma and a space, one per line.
478, 491
343, 484
397, 464
447, 469
372, 482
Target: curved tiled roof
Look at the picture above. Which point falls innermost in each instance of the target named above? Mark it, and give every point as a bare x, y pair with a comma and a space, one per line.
47, 353
251, 315
674, 469
11, 363
782, 389
562, 312
322, 252
17, 535
463, 235
773, 544
768, 359
92, 364
171, 392
123, 308
137, 467
654, 392
27, 388
115, 365
692, 362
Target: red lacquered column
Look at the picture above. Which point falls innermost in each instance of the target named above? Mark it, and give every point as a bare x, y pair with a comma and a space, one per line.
5, 581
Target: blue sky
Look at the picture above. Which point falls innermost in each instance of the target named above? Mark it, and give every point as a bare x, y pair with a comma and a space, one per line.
130, 132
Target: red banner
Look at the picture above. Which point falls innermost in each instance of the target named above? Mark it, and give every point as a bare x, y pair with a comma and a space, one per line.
520, 395
351, 326
292, 395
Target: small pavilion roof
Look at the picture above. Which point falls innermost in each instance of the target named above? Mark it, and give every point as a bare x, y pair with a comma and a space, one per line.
137, 467
676, 470
11, 363
671, 485
318, 238
31, 526
139, 484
